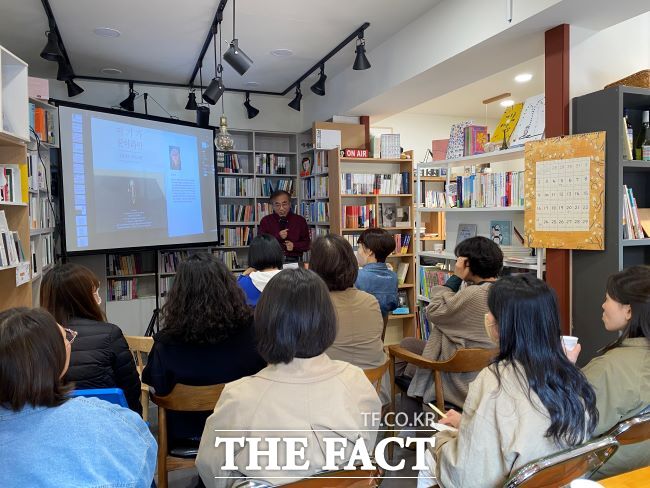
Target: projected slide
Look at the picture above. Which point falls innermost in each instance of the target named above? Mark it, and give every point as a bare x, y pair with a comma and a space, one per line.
132, 182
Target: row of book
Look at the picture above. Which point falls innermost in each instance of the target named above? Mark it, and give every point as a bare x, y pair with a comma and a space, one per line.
375, 184
267, 186
11, 248
402, 242
635, 220
47, 254
236, 236
424, 328
121, 290
230, 259
486, 190
169, 260
165, 285
272, 164
315, 232
237, 187
385, 146
315, 187
236, 213
42, 121
435, 199
431, 276
40, 218
230, 162
35, 173
315, 211
10, 188
358, 216
315, 166
123, 265
476, 136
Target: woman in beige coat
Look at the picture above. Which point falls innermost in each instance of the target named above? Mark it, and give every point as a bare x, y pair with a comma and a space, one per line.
301, 394
531, 402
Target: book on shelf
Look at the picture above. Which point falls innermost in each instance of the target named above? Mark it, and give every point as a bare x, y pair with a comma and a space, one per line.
487, 190
375, 184
424, 329
375, 146
476, 136
121, 265
36, 266
403, 217
435, 199
236, 213
319, 164
518, 254
229, 163
439, 149
465, 231
315, 232
236, 236
632, 228
165, 285
626, 143
644, 220
10, 183
47, 249
507, 123
266, 186
390, 146
122, 290
358, 216
430, 277
315, 187
315, 211
456, 146
305, 167
402, 242
531, 123
402, 269
388, 214
327, 139
230, 259
237, 187
169, 260
402, 303
501, 232
272, 164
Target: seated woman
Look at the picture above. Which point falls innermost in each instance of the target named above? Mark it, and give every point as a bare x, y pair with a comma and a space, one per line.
456, 317
207, 339
531, 402
374, 276
265, 259
49, 440
302, 390
360, 325
100, 356
621, 376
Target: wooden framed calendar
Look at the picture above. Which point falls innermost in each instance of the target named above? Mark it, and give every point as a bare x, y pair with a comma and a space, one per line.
565, 192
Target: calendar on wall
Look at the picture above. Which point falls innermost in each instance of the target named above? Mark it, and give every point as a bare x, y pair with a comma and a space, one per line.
565, 192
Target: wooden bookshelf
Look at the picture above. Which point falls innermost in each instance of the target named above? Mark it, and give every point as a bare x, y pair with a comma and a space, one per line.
14, 127
339, 165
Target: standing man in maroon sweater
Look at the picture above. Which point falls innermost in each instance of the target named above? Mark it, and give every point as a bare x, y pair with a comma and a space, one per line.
289, 229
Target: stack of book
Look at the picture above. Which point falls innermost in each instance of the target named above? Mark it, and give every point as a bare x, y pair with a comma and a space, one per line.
516, 254
375, 184
632, 222
272, 164
358, 216
228, 163
236, 213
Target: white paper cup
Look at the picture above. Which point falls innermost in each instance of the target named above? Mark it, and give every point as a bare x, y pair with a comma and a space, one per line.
570, 342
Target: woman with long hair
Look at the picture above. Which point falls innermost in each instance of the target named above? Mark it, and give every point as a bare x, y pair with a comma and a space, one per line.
48, 439
100, 357
207, 338
529, 403
621, 376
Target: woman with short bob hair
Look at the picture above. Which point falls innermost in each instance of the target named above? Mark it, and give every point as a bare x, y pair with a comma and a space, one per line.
301, 390
360, 323
100, 356
265, 260
106, 444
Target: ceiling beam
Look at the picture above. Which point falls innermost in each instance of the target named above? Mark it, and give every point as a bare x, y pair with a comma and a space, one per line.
218, 17
53, 27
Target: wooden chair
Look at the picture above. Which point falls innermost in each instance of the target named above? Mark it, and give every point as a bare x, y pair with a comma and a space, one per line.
383, 331
562, 468
183, 398
138, 347
375, 375
463, 361
326, 479
632, 430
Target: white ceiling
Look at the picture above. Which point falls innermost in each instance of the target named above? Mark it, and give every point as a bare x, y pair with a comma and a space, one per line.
467, 101
161, 39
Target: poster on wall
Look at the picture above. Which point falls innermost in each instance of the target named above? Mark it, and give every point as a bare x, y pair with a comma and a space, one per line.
565, 192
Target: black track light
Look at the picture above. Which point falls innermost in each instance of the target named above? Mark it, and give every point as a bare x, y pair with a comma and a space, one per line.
234, 56
203, 116
319, 87
213, 92
73, 88
64, 72
250, 110
127, 104
295, 103
191, 101
52, 51
361, 61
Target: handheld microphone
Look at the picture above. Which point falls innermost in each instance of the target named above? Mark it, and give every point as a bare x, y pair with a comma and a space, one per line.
284, 223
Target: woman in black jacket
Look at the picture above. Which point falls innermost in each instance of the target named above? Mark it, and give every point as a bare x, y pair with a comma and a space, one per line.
207, 339
100, 356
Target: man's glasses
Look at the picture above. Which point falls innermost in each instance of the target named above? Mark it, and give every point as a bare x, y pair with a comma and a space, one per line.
70, 335
281, 205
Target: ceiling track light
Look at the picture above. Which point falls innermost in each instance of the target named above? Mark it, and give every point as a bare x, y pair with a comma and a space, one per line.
65, 71
295, 103
52, 50
361, 61
73, 88
191, 100
215, 89
234, 56
319, 87
128, 103
251, 111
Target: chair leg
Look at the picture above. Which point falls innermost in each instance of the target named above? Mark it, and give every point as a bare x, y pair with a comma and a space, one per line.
393, 392
162, 448
144, 401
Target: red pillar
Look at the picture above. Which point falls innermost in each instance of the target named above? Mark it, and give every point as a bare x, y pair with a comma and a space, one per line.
558, 262
365, 121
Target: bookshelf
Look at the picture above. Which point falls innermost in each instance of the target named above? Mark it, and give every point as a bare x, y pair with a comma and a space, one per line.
44, 138
342, 196
265, 161
14, 134
486, 205
603, 111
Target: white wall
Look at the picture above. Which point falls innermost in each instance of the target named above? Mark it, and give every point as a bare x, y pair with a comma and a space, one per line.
274, 114
602, 57
418, 130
